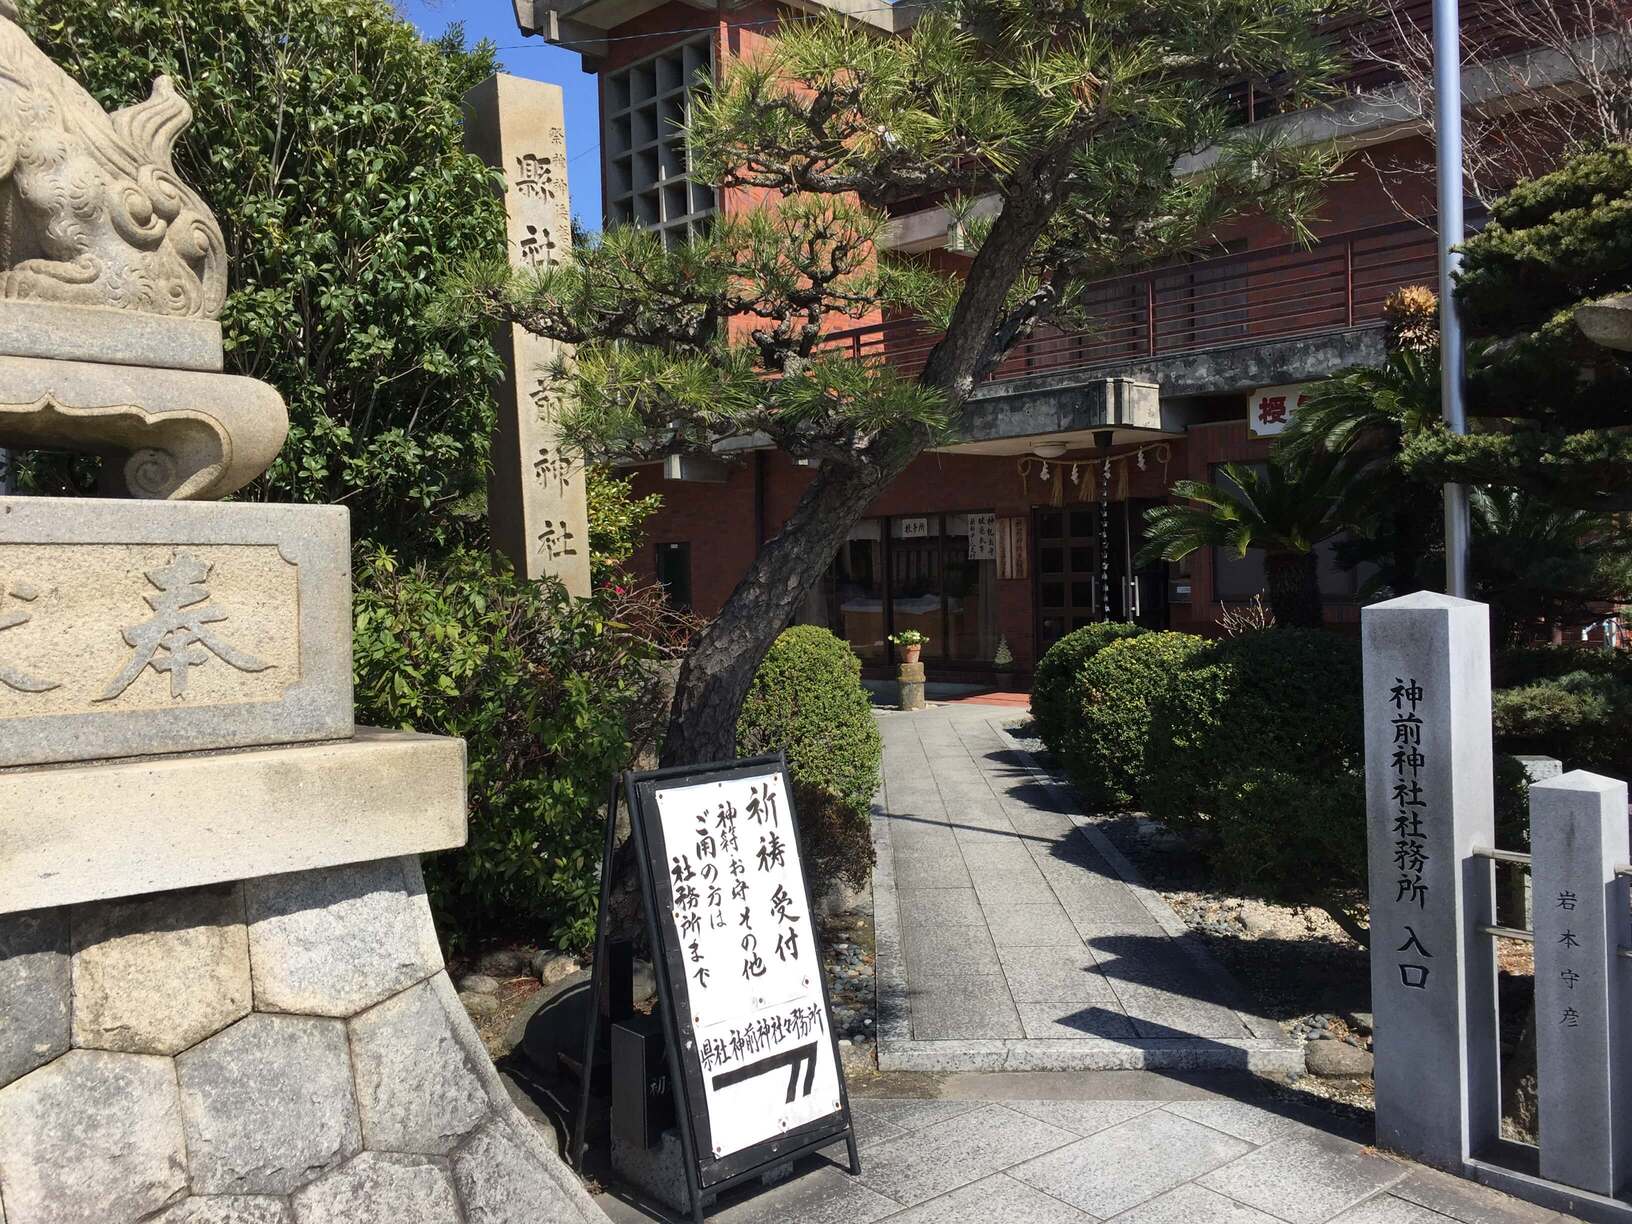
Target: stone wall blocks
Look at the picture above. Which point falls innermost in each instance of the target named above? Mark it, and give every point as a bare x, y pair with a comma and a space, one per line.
416, 1086
157, 974
226, 1209
268, 1105
93, 1138
337, 941
380, 1188
34, 991
506, 1178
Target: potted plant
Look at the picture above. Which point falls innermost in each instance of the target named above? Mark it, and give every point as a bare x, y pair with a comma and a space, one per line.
1003, 661
911, 643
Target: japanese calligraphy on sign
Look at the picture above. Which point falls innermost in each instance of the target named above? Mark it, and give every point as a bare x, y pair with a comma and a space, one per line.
1408, 812
983, 537
753, 975
1270, 409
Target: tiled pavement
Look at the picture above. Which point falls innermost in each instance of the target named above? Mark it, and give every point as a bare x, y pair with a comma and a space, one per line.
1008, 941
1008, 938
1184, 1157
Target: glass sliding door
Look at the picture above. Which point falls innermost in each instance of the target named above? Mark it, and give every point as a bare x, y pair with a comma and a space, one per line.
971, 593
915, 580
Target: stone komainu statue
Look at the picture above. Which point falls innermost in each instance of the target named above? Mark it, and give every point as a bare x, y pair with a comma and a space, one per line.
92, 212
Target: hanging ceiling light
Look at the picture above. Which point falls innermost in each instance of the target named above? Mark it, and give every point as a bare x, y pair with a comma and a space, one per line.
1048, 450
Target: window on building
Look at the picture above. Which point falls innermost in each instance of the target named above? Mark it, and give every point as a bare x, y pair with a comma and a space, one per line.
648, 166
674, 573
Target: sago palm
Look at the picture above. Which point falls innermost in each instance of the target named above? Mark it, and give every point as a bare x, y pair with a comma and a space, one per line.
1287, 510
1365, 414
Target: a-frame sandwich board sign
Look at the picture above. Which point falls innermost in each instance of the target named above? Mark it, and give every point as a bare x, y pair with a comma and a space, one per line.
753, 1056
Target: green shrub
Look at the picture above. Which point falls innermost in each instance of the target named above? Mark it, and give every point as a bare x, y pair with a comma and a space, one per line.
541, 687
327, 137
1521, 665
1104, 745
1053, 706
1256, 754
807, 700
1580, 717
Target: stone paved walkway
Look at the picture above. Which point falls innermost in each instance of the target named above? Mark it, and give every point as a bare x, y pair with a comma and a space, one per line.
1010, 934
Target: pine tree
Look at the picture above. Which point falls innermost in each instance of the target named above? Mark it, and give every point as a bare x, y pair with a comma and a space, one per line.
1101, 127
1549, 406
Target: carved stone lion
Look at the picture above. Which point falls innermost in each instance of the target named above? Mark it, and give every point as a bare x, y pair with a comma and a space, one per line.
92, 212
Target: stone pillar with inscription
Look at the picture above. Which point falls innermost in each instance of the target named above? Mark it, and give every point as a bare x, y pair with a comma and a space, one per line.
1578, 839
210, 890
536, 500
1429, 806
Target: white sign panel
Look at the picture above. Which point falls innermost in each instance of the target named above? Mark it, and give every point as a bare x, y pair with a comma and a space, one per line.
1270, 409
983, 537
753, 972
914, 528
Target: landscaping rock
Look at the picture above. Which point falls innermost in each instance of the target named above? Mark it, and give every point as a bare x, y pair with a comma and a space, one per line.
505, 962
333, 942
1360, 1022
268, 1105
1331, 1059
415, 1085
479, 983
479, 1004
94, 1136
34, 978
157, 974
552, 967
379, 1188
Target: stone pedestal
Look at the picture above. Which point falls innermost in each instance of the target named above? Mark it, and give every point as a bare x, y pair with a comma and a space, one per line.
281, 1049
1429, 805
911, 680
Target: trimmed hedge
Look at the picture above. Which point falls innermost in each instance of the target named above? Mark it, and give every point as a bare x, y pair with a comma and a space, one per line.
807, 699
1104, 747
1582, 718
1256, 754
1054, 700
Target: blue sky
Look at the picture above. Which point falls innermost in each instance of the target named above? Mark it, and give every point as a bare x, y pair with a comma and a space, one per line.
532, 57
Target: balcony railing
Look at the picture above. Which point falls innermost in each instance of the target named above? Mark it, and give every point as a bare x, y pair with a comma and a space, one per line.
1272, 293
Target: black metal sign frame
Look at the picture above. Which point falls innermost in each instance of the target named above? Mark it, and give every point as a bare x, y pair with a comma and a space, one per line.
685, 1063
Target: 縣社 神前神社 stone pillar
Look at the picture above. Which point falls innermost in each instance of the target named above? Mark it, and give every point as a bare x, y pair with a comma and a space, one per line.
1429, 806
536, 501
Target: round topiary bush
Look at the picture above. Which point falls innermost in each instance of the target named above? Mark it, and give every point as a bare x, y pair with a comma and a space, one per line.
807, 700
1256, 755
1579, 717
1053, 705
1104, 744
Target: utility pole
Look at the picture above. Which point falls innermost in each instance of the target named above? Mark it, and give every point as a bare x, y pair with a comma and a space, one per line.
1448, 138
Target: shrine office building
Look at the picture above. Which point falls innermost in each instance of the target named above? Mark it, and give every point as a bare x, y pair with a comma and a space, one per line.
992, 546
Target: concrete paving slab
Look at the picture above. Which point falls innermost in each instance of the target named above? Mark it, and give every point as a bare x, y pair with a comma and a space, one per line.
1030, 925
1238, 1118
941, 871
963, 1006
938, 950
1306, 1178
1073, 1021
1127, 1164
1084, 1117
1194, 1205
928, 906
1010, 885
943, 1157
994, 1198
912, 1115
1465, 1201
1063, 974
